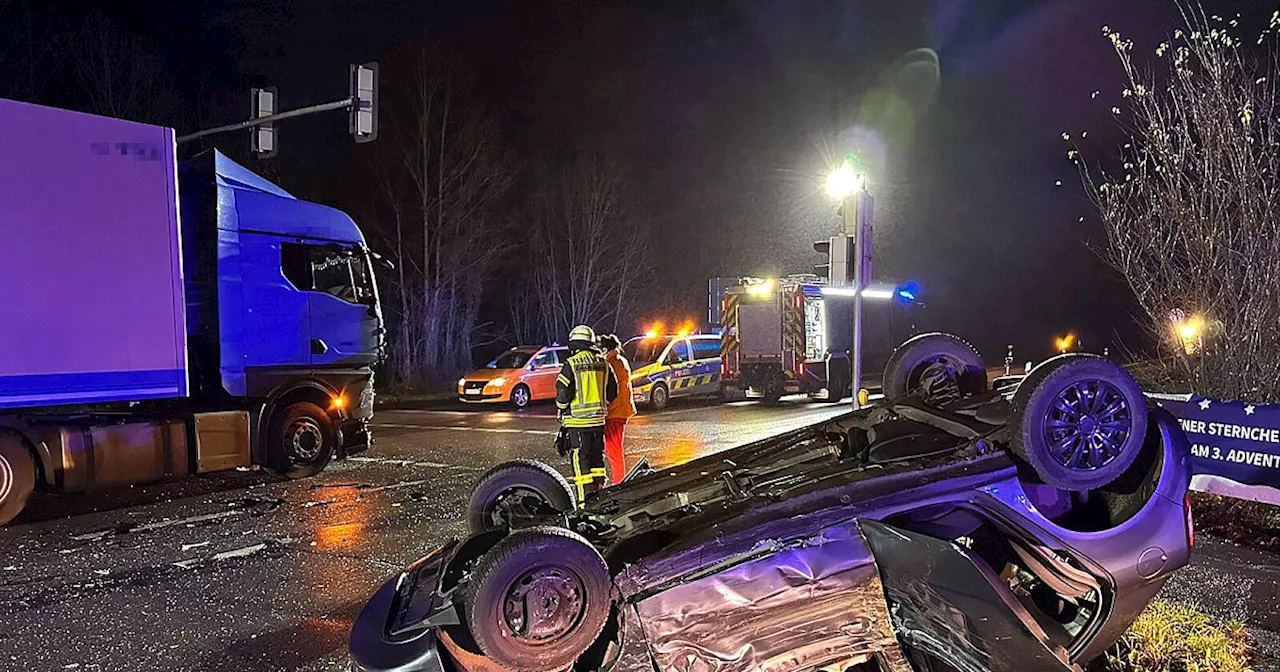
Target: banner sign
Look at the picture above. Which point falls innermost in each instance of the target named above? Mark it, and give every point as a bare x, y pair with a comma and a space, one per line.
1235, 446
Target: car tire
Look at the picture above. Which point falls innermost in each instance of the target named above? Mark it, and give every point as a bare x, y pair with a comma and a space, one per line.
517, 491
549, 565
17, 477
906, 365
301, 440
659, 397
1078, 421
521, 397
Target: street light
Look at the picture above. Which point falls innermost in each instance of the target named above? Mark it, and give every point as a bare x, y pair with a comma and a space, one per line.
848, 184
845, 181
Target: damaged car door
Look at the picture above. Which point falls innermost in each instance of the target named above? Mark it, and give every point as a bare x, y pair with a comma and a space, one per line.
951, 611
812, 603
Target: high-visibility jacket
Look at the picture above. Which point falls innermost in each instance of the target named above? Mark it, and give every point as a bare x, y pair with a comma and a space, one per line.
584, 389
623, 406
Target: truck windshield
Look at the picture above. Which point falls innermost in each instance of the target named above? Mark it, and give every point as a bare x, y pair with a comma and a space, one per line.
642, 350
511, 359
339, 272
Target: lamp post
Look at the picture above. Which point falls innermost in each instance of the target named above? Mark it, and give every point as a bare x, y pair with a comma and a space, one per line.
848, 184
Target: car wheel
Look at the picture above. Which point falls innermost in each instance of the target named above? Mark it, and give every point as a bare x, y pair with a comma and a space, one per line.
520, 396
939, 366
538, 599
17, 477
659, 397
302, 440
516, 492
1080, 423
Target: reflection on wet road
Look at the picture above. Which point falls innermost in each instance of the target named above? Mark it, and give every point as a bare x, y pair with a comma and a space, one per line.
245, 571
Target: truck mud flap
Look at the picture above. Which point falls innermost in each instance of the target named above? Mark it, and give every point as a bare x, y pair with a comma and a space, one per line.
948, 605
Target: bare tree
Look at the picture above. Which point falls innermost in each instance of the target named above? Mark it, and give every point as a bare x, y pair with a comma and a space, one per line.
1191, 209
444, 174
119, 74
590, 255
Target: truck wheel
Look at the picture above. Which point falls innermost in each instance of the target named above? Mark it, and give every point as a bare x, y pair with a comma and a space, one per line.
515, 492
771, 396
538, 599
835, 389
17, 477
520, 397
659, 397
919, 364
1080, 422
302, 440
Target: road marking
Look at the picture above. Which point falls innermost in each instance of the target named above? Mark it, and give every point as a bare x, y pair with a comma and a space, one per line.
93, 536
492, 430
470, 414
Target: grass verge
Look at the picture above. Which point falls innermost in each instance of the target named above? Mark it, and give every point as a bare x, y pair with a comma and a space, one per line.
1173, 637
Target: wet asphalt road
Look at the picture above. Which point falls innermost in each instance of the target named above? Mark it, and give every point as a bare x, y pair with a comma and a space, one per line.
243, 571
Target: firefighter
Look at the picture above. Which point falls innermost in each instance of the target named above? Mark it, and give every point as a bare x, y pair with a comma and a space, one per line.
620, 409
584, 389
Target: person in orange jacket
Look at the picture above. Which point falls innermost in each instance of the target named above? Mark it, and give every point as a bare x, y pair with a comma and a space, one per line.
620, 409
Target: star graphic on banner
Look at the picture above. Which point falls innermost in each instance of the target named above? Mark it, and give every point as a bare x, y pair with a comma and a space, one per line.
1204, 404
1248, 410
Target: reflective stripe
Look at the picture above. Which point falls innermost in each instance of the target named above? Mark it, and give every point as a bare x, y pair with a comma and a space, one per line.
562, 379
577, 476
588, 407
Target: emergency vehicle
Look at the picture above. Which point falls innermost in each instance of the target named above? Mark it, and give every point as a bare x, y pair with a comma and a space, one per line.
777, 338
664, 367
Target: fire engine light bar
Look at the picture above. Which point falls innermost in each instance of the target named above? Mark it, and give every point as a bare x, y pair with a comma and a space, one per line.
874, 293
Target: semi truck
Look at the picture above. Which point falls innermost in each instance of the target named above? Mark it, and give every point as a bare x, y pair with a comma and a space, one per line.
162, 320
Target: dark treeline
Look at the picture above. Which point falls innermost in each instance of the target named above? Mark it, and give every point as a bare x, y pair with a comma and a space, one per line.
491, 246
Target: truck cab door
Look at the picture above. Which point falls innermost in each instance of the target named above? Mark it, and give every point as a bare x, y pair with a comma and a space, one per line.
345, 318
952, 607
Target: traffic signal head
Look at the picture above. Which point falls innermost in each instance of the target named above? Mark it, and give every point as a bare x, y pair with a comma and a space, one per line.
838, 250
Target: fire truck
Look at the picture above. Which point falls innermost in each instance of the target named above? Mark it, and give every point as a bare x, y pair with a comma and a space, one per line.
793, 335
780, 336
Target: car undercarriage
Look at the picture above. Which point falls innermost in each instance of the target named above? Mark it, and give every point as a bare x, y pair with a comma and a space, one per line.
910, 535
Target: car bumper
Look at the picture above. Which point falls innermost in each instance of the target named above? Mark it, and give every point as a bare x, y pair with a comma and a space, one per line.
397, 629
481, 397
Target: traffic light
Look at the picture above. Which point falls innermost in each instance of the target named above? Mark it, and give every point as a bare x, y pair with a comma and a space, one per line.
263, 140
839, 251
364, 97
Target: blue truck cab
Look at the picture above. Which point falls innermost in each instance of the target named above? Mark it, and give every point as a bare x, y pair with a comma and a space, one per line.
201, 317
282, 295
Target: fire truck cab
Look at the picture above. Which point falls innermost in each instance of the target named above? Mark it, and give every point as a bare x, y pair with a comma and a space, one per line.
776, 339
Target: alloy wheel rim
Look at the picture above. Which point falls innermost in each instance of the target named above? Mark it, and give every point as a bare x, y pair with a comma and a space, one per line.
1087, 425
522, 397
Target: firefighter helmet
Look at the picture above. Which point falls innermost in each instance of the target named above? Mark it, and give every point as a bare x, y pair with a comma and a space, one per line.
583, 333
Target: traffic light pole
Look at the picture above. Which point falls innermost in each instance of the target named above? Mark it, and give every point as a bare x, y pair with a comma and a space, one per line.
858, 217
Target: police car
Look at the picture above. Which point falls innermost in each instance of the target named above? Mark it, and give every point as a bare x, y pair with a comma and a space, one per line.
663, 367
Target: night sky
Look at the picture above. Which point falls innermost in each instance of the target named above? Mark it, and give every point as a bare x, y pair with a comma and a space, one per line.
724, 114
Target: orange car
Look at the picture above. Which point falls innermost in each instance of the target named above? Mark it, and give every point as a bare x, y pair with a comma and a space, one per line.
517, 377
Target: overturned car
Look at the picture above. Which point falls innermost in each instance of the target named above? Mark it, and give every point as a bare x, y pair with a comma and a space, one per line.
951, 527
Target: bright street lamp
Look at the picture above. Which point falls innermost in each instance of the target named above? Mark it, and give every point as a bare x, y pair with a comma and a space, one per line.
845, 181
